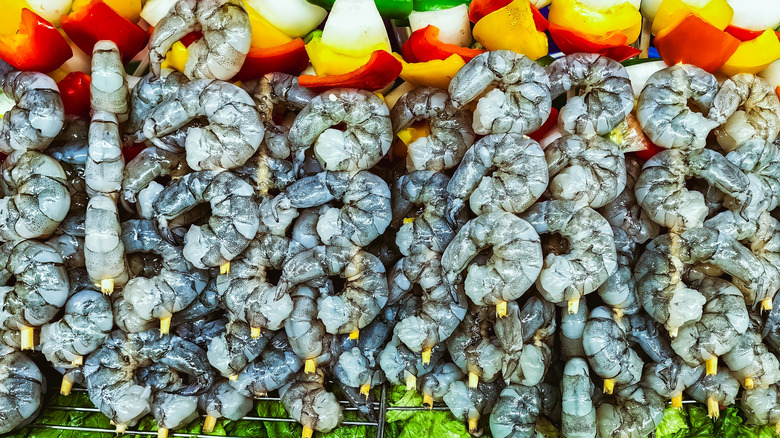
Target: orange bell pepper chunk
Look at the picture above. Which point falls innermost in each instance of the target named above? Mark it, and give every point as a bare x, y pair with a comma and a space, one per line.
424, 45
36, 46
612, 44
290, 58
695, 41
381, 69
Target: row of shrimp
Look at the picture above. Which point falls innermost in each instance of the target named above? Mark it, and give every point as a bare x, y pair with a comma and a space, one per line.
266, 239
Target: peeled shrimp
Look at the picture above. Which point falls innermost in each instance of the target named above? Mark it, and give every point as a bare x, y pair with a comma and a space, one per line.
746, 107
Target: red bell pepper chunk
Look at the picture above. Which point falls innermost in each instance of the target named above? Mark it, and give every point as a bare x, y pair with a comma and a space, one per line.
97, 21
743, 34
379, 71
648, 153
290, 58
424, 45
480, 8
132, 151
191, 37
549, 124
74, 89
695, 41
612, 44
37, 45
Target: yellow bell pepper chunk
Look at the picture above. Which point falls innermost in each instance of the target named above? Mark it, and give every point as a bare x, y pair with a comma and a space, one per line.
572, 14
328, 61
670, 12
130, 9
264, 34
415, 132
754, 55
176, 57
512, 28
12, 15
437, 73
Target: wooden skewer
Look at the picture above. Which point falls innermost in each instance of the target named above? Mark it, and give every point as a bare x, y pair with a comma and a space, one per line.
609, 386
224, 269
255, 332
713, 410
66, 385
309, 366
209, 423
411, 382
27, 338
711, 366
473, 380
78, 361
364, 389
574, 306
355, 334
165, 325
307, 432
107, 286
428, 401
162, 432
426, 356
501, 309
677, 401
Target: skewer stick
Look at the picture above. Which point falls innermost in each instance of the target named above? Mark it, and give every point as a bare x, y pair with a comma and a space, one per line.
609, 386
749, 383
473, 380
426, 356
233, 377
618, 313
501, 309
162, 432
107, 286
255, 332
428, 401
209, 423
307, 432
66, 385
713, 410
777, 427
711, 365
677, 401
354, 334
766, 304
473, 424
364, 389
673, 332
574, 306
411, 382
78, 361
310, 366
224, 269
165, 325
27, 339
121, 428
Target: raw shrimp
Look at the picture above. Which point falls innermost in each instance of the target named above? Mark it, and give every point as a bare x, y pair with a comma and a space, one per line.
515, 262
176, 285
609, 354
37, 115
148, 93
515, 412
219, 53
403, 366
150, 164
520, 101
603, 96
760, 160
366, 210
661, 189
365, 139
309, 403
222, 400
108, 87
572, 328
474, 350
451, 134
266, 173
670, 377
88, 319
35, 198
234, 217
761, 405
746, 107
589, 171
591, 258
353, 370
306, 334
470, 404
104, 251
365, 290
637, 413
71, 249
276, 367
235, 348
750, 361
524, 336
172, 411
501, 172
619, 290
358, 367
20, 391
624, 211
435, 385
715, 390
304, 231
105, 162
246, 291
234, 131
578, 419
663, 109
125, 316
430, 229
205, 303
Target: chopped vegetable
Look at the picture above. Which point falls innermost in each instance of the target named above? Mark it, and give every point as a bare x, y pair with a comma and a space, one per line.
611, 44
296, 18
512, 28
575, 14
424, 45
36, 45
670, 12
290, 58
74, 89
379, 71
395, 9
696, 41
436, 73
754, 55
453, 24
96, 21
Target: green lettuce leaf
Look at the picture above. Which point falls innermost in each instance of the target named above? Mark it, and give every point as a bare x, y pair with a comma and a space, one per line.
701, 425
673, 425
399, 396
275, 409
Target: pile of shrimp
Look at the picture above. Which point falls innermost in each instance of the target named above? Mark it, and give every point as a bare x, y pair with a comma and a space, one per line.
266, 241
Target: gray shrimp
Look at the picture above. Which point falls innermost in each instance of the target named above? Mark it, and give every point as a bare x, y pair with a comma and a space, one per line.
619, 290
305, 332
353, 370
88, 319
719, 389
451, 132
750, 360
304, 230
365, 140
591, 258
104, 251
276, 367
220, 53
578, 417
37, 115
760, 160
603, 94
516, 411
365, 291
125, 316
403, 366
366, 210
761, 405
746, 107
358, 366
234, 130
108, 88
609, 354
470, 404
637, 413
266, 173
471, 346
231, 351
590, 171
663, 109
309, 403
523, 335
223, 401
35, 197
435, 385
71, 249
572, 329
520, 101
21, 390
176, 285
515, 263
204, 304
148, 93
105, 163
234, 217
501, 172
661, 188
432, 228
624, 211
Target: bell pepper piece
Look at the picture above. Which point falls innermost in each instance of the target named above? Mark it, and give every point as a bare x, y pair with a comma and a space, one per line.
549, 124
12, 15
130, 9
132, 151
573, 14
395, 9
74, 89
97, 21
695, 41
512, 28
288, 58
264, 34
424, 45
754, 55
743, 34
436, 5
176, 57
379, 71
328, 62
437, 73
717, 12
37, 45
611, 44
480, 8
